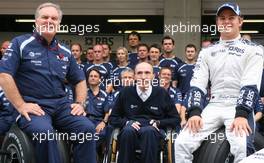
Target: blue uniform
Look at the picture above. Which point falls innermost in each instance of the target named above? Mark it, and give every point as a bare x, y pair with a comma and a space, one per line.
175, 95
172, 63
117, 76
133, 59
97, 106
184, 76
105, 70
39, 71
7, 114
156, 70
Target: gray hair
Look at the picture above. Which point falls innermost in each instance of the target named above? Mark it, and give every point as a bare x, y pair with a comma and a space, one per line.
127, 70
43, 5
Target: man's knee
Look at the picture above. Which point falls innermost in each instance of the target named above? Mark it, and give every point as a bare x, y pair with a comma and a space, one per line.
86, 126
128, 131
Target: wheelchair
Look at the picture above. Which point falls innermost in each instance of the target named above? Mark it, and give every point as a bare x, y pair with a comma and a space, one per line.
166, 152
214, 150
17, 148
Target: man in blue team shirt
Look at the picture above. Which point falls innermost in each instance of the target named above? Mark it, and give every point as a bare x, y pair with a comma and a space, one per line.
168, 59
142, 112
185, 71
32, 74
104, 68
134, 39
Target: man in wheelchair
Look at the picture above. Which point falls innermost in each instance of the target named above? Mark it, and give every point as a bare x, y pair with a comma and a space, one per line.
142, 112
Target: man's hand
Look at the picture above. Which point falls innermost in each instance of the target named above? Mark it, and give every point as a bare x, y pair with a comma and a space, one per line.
183, 123
100, 127
136, 125
240, 126
77, 109
155, 124
30, 108
194, 124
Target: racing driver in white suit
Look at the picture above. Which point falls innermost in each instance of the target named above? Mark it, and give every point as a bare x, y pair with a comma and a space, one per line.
234, 67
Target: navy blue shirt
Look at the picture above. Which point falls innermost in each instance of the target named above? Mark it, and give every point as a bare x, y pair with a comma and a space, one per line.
97, 105
184, 76
173, 63
3, 101
104, 69
156, 70
158, 106
175, 95
133, 59
39, 69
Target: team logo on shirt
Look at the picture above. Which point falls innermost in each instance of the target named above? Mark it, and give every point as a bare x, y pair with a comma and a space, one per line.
154, 108
33, 54
62, 57
133, 106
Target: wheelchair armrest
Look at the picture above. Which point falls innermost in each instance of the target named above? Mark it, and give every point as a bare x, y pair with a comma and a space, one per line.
115, 133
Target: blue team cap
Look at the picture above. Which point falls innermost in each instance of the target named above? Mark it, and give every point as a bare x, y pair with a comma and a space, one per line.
233, 6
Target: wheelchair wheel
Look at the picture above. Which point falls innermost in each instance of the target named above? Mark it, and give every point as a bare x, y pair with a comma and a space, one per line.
214, 150
64, 150
258, 141
110, 155
17, 144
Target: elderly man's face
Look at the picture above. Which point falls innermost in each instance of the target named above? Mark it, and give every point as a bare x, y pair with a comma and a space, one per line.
144, 74
48, 21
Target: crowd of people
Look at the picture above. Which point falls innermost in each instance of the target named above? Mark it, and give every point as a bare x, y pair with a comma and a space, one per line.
142, 89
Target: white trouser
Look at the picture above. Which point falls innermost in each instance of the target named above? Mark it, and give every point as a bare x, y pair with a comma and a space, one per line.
214, 116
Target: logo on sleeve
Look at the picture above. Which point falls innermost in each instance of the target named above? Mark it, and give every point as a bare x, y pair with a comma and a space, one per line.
154, 108
133, 106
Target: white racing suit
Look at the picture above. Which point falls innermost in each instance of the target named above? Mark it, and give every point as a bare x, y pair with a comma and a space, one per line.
230, 66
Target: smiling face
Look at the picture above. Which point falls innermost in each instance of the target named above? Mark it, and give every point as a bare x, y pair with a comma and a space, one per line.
229, 24
47, 22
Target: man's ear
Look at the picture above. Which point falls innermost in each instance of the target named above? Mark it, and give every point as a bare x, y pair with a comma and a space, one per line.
240, 21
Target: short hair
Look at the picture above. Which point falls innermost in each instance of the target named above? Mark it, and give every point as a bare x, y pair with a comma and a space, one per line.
122, 48
127, 70
107, 46
90, 70
167, 38
80, 46
190, 46
89, 48
135, 33
165, 68
48, 4
157, 46
143, 44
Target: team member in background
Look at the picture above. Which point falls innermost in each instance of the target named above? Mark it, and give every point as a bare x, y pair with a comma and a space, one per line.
168, 58
165, 77
97, 106
143, 54
154, 55
122, 64
104, 68
76, 50
234, 67
4, 46
134, 39
185, 71
89, 55
107, 56
142, 112
32, 76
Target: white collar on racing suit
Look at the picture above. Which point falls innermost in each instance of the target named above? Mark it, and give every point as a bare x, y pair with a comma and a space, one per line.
228, 42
